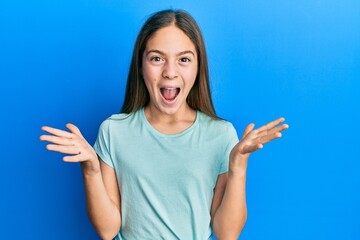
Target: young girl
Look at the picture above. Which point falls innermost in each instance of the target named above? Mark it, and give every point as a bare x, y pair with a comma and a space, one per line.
167, 167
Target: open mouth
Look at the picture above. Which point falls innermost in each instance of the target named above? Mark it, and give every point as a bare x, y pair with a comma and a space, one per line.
169, 94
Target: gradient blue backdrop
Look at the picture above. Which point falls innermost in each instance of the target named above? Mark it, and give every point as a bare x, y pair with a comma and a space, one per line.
67, 61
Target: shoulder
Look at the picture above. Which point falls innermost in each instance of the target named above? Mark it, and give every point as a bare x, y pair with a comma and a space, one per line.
218, 134
217, 125
117, 121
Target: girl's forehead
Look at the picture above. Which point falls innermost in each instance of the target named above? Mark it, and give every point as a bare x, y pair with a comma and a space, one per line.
170, 38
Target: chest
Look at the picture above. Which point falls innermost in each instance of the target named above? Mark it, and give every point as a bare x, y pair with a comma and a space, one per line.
171, 162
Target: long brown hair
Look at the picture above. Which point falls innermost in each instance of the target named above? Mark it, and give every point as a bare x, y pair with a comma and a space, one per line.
137, 95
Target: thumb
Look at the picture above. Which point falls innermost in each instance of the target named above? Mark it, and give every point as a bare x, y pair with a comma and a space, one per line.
248, 129
74, 129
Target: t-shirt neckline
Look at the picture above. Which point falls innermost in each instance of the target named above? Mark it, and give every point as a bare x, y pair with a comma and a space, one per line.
156, 132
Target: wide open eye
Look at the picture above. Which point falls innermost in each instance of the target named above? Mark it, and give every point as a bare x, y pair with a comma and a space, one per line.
155, 59
184, 60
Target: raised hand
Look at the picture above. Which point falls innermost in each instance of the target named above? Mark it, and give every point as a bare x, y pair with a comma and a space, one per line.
253, 140
72, 143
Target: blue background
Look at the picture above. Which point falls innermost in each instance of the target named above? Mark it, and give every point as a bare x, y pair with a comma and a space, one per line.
67, 61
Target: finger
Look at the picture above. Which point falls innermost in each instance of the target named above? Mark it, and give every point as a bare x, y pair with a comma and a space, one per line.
56, 140
269, 137
63, 149
279, 128
271, 124
74, 129
248, 129
57, 132
75, 158
272, 131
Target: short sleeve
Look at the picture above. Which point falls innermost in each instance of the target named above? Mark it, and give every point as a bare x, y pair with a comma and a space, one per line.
231, 139
102, 143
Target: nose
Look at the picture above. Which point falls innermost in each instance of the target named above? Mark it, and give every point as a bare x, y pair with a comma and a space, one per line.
170, 70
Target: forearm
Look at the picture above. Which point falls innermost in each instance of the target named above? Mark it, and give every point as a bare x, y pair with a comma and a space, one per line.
102, 211
230, 217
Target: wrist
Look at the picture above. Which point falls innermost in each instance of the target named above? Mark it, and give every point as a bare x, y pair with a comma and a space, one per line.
237, 175
237, 171
238, 162
90, 167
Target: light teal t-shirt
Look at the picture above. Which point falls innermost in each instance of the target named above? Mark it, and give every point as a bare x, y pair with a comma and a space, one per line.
166, 181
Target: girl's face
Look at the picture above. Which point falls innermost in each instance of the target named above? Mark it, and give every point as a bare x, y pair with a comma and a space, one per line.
169, 68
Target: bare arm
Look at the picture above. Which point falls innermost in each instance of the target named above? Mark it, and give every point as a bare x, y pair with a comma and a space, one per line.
228, 210
103, 201
102, 193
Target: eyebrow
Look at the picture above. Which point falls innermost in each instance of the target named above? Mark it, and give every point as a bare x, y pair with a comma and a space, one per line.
162, 53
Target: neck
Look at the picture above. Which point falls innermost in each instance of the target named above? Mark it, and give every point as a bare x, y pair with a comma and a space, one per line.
170, 123
183, 114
